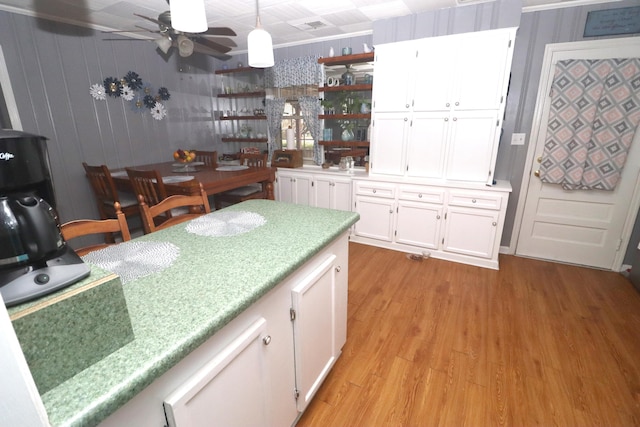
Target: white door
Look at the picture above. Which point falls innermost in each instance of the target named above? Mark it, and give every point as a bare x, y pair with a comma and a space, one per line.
418, 224
590, 228
387, 145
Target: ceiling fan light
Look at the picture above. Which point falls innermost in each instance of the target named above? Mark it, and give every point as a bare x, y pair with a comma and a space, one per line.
260, 47
185, 46
164, 44
188, 16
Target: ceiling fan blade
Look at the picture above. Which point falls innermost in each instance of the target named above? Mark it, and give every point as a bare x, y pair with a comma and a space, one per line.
222, 40
219, 31
155, 21
197, 47
146, 29
212, 45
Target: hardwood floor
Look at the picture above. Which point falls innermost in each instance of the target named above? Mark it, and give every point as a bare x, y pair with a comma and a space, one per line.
438, 343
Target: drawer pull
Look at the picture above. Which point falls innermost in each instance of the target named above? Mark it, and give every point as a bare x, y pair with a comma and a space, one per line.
338, 269
473, 200
446, 119
494, 223
420, 196
437, 216
267, 340
374, 190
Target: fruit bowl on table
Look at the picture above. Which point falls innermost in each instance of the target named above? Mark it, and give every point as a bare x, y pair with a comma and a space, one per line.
183, 159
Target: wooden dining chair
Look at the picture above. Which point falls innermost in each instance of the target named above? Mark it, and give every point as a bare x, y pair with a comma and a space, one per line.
247, 192
199, 205
85, 227
147, 183
209, 158
106, 194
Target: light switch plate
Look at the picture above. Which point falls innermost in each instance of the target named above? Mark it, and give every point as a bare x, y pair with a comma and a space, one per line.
518, 138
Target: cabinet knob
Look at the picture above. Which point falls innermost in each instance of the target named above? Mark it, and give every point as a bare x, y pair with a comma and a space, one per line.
405, 119
446, 119
374, 191
448, 105
407, 105
338, 268
455, 119
473, 200
420, 196
457, 103
539, 159
267, 340
437, 216
390, 211
537, 174
494, 223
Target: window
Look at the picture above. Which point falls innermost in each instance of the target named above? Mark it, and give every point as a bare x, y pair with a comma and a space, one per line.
292, 117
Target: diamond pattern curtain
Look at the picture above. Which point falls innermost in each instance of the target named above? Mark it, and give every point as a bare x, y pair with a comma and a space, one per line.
273, 108
311, 108
594, 113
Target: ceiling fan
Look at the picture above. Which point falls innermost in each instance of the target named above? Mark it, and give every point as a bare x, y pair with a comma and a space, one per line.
214, 41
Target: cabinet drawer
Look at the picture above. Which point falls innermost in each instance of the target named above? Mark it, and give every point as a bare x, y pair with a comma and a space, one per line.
421, 194
376, 189
475, 200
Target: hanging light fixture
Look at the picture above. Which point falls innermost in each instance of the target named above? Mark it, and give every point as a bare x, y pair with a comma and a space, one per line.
164, 43
188, 16
259, 45
185, 46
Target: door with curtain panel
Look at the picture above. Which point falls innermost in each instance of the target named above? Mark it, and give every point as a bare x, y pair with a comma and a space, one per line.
578, 210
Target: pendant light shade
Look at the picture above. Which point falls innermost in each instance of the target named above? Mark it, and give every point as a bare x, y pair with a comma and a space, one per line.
259, 45
188, 16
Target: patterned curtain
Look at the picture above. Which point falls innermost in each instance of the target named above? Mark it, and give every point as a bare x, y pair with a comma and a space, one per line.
310, 106
595, 109
274, 108
294, 72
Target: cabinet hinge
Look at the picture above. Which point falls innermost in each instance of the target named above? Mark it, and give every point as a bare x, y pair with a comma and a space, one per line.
417, 51
313, 183
296, 393
509, 43
501, 99
445, 217
489, 173
497, 122
407, 168
292, 314
618, 245
443, 240
395, 233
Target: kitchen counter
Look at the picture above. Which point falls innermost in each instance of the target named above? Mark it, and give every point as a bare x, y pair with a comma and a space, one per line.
173, 312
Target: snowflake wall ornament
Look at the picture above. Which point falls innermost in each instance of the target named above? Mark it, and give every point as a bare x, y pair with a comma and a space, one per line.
132, 89
97, 92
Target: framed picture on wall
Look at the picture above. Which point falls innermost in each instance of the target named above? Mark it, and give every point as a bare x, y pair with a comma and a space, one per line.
609, 22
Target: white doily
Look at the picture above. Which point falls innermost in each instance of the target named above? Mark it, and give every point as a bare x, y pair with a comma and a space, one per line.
133, 260
224, 224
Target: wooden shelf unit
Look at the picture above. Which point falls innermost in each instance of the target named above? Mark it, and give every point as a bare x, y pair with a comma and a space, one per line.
356, 58
256, 140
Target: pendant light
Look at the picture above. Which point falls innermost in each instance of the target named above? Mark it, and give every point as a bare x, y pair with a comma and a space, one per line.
164, 43
188, 16
259, 45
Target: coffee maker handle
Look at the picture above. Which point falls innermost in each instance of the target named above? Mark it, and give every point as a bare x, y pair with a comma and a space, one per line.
41, 234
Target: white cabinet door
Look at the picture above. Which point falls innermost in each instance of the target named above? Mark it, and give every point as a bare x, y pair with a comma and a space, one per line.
375, 217
472, 140
481, 69
426, 145
470, 231
436, 62
232, 389
294, 187
394, 68
389, 137
332, 192
314, 330
418, 224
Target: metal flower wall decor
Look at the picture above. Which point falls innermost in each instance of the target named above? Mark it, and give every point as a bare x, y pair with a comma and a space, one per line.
131, 88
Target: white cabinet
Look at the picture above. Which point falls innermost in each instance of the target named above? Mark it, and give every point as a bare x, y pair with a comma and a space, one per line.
375, 202
441, 107
249, 372
314, 331
314, 188
474, 223
453, 223
332, 192
294, 187
239, 373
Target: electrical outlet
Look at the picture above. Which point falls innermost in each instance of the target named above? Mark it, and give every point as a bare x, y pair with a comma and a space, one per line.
518, 138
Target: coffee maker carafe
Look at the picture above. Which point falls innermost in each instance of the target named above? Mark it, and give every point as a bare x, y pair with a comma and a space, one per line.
34, 258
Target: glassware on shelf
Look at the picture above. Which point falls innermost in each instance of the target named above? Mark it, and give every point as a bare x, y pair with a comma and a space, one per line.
347, 77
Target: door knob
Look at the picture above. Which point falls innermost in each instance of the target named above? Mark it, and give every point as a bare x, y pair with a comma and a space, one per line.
539, 159
537, 174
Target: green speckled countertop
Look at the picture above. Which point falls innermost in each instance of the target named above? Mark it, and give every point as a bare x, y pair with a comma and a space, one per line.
175, 311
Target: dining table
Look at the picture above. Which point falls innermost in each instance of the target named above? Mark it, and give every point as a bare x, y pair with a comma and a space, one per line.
214, 179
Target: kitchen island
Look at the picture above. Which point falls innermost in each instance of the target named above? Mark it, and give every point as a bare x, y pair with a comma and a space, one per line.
190, 319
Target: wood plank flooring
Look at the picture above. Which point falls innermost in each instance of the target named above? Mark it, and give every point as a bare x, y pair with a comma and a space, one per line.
436, 343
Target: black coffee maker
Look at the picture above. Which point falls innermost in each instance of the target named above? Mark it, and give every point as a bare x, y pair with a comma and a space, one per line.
34, 258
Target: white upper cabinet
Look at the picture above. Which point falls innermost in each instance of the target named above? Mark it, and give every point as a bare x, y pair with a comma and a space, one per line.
438, 103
